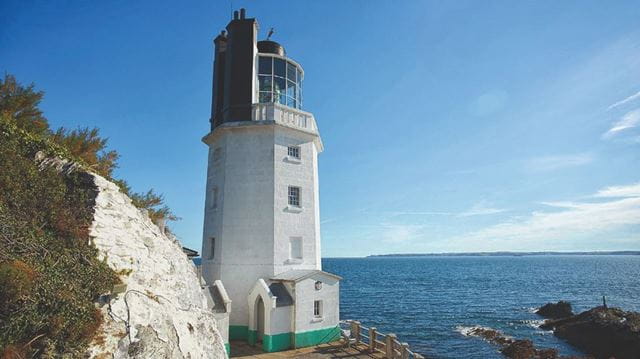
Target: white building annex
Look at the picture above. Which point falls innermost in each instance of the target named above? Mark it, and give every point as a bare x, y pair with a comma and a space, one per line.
262, 226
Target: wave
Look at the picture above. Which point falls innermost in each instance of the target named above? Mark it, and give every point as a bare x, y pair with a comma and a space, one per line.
534, 323
467, 331
477, 330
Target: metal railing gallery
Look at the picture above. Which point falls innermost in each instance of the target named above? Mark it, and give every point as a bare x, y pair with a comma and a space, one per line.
284, 115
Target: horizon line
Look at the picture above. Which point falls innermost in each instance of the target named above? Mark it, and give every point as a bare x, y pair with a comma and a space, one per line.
498, 253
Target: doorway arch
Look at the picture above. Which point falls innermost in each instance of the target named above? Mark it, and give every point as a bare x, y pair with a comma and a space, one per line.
261, 302
260, 320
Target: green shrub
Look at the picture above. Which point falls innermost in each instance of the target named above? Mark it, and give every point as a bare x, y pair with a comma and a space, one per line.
23, 118
49, 271
152, 202
20, 104
16, 281
87, 145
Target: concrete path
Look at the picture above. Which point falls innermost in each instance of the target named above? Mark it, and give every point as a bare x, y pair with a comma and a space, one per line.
330, 350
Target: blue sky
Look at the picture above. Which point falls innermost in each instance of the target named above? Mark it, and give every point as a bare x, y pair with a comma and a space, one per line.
448, 126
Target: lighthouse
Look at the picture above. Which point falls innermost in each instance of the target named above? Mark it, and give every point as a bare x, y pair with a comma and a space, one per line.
261, 234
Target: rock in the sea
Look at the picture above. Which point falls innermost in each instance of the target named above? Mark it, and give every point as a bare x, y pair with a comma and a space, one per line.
513, 348
490, 335
558, 310
601, 332
524, 349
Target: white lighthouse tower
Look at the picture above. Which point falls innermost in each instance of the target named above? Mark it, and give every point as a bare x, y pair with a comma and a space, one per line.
262, 226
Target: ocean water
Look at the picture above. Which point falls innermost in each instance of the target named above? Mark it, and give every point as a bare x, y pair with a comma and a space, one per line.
429, 301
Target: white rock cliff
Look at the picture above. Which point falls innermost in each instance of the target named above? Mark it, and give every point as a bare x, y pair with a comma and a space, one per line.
163, 311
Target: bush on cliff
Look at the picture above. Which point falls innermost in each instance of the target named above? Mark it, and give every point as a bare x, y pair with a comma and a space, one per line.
19, 107
49, 271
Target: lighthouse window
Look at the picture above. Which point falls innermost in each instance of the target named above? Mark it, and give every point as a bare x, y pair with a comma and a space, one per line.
279, 81
291, 72
293, 151
279, 67
214, 198
212, 248
279, 85
266, 83
265, 97
264, 65
295, 248
291, 89
294, 196
317, 308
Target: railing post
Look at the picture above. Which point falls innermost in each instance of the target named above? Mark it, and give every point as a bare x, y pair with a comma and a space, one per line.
391, 338
355, 331
372, 339
405, 350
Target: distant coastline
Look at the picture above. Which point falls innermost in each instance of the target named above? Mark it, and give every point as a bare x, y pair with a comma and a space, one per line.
510, 254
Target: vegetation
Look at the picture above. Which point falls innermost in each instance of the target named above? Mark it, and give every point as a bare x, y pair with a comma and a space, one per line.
87, 145
50, 274
19, 107
151, 201
49, 271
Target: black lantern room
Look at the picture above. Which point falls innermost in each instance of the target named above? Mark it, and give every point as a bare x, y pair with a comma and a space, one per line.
247, 71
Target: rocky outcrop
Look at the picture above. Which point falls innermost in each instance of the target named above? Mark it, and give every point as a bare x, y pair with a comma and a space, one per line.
524, 349
162, 312
510, 347
557, 310
602, 332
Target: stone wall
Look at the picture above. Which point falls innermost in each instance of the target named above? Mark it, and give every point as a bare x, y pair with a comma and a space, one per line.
163, 312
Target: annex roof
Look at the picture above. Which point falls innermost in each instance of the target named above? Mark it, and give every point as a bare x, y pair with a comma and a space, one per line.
297, 275
283, 298
190, 252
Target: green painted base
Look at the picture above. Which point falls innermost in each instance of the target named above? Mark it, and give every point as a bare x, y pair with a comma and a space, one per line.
315, 337
227, 348
252, 337
284, 341
276, 342
238, 332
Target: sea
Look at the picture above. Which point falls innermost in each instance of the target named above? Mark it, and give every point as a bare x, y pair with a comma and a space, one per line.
431, 302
